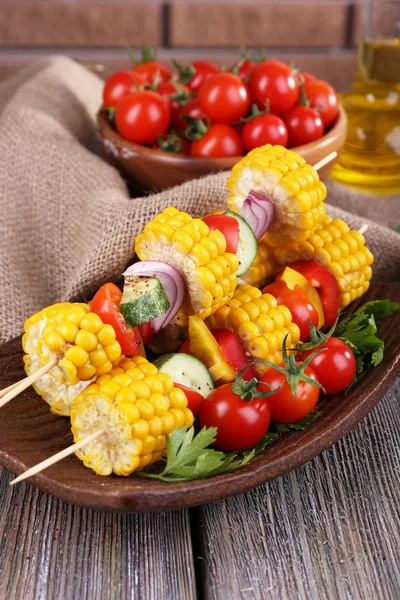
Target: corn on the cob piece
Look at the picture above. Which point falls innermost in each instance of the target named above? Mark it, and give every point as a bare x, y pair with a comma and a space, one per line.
292, 185
137, 406
78, 338
197, 253
334, 246
260, 324
342, 252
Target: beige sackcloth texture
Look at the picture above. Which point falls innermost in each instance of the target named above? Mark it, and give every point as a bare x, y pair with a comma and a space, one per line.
67, 224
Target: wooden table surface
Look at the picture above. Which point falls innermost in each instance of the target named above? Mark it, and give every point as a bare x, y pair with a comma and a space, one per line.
330, 530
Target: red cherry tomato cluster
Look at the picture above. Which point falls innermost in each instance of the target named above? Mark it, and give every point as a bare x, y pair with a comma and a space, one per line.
218, 113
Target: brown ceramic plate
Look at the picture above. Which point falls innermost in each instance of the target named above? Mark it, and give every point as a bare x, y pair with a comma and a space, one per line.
30, 433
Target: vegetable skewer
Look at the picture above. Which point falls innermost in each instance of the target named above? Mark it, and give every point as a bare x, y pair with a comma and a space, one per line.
120, 422
66, 346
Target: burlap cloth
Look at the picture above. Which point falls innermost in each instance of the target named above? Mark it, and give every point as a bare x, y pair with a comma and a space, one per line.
67, 223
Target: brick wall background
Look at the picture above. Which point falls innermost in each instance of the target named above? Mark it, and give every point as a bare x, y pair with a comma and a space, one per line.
319, 36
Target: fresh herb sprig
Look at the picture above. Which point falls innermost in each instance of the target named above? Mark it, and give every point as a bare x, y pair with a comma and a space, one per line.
190, 457
359, 331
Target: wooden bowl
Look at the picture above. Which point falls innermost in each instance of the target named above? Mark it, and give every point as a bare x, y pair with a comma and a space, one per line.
157, 170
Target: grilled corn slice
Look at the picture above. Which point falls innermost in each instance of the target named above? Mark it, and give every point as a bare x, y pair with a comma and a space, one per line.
342, 252
285, 179
137, 406
334, 246
260, 324
84, 345
197, 253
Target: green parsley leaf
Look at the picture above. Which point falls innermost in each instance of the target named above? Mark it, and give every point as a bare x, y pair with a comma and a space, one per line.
304, 423
359, 332
189, 458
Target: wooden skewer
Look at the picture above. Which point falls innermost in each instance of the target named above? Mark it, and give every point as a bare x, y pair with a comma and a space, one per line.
4, 391
324, 161
363, 228
57, 457
25, 383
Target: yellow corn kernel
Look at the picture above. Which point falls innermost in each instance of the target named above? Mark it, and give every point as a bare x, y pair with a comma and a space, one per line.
113, 351
54, 341
86, 339
77, 355
98, 357
91, 322
106, 335
86, 373
76, 314
67, 330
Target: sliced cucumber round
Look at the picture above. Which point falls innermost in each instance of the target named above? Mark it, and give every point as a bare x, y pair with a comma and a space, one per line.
186, 370
143, 300
248, 247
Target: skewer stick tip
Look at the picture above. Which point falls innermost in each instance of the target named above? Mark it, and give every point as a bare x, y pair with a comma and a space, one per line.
326, 160
57, 457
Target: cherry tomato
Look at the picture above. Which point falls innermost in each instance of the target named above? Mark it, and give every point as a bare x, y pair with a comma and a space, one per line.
240, 424
172, 143
192, 109
335, 367
243, 69
195, 400
224, 98
146, 333
326, 285
118, 85
220, 140
274, 81
228, 226
151, 69
142, 116
264, 129
204, 69
166, 89
304, 125
106, 304
322, 96
303, 76
298, 304
286, 407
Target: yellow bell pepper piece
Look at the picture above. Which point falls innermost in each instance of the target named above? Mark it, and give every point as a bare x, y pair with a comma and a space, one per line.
204, 346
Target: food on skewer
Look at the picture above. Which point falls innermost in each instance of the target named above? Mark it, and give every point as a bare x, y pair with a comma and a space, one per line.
83, 346
277, 176
136, 405
187, 281
260, 324
333, 245
197, 253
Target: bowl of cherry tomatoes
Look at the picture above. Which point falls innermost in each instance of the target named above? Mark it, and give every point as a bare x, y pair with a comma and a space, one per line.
161, 127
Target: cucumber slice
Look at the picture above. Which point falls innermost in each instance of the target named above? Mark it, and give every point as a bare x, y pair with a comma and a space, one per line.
186, 370
248, 247
143, 300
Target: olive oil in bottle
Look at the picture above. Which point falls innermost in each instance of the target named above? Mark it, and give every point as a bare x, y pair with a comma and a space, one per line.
371, 155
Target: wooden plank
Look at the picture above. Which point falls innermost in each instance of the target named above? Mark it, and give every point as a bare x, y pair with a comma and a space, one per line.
337, 68
51, 549
87, 24
283, 24
328, 530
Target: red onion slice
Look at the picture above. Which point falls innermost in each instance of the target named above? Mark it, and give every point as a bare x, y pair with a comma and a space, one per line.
172, 282
258, 210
